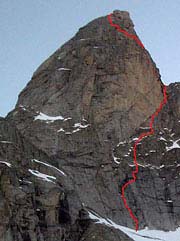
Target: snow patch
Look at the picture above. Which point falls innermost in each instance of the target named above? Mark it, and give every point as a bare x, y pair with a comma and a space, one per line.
141, 235
61, 130
42, 175
144, 128
68, 133
48, 165
6, 163
23, 107
6, 142
175, 145
162, 139
83, 39
121, 143
68, 118
116, 159
79, 125
65, 69
148, 165
47, 118
135, 139
78, 129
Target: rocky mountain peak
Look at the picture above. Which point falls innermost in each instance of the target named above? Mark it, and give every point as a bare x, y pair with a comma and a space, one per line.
67, 148
100, 28
100, 75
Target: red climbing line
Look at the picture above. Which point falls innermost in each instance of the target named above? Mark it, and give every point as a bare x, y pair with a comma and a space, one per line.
119, 29
151, 132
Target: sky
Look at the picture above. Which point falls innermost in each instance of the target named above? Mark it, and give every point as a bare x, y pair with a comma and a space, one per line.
31, 30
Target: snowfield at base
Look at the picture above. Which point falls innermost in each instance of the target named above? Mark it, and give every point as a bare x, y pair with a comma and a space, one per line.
141, 235
48, 165
45, 117
42, 175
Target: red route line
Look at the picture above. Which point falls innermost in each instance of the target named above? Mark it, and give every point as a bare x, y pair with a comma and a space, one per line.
151, 132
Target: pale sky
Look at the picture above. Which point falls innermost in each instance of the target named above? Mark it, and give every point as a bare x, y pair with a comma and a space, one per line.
31, 30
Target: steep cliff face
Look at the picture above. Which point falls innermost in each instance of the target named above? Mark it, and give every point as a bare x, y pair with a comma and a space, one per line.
66, 149
99, 75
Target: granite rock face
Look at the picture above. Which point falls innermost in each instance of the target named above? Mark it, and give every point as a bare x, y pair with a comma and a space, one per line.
66, 148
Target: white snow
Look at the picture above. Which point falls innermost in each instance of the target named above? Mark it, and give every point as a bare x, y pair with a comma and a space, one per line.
6, 142
162, 139
23, 107
156, 167
147, 165
141, 235
6, 163
84, 119
78, 129
26, 181
61, 130
68, 118
116, 159
66, 69
79, 125
144, 128
48, 118
68, 133
121, 143
42, 175
48, 165
139, 143
135, 139
82, 39
175, 145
